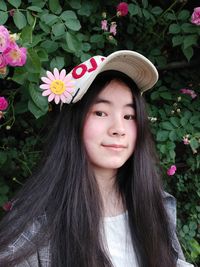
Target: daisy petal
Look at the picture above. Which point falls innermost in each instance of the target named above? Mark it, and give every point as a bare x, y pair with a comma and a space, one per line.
51, 97
57, 99
46, 80
44, 86
50, 76
68, 78
62, 74
68, 97
56, 74
63, 98
46, 92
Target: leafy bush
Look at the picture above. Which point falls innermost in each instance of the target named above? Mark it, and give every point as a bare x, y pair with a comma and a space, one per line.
63, 33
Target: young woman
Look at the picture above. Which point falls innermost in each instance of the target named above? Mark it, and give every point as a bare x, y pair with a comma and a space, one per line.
96, 199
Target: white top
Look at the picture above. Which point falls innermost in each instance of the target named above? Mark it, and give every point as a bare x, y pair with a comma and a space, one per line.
118, 241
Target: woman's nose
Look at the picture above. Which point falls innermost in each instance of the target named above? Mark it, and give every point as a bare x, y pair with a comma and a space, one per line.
117, 127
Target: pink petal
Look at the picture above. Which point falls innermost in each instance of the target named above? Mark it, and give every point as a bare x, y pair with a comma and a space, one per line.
56, 74
50, 76
68, 97
62, 74
69, 84
57, 99
51, 97
46, 92
68, 78
46, 80
63, 98
44, 86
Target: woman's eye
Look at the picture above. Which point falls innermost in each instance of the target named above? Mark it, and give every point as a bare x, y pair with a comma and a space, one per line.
100, 113
129, 117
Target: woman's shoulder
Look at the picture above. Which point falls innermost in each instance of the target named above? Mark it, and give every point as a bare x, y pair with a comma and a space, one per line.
40, 256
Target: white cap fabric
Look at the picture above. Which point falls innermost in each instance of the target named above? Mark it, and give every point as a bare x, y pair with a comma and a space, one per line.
131, 63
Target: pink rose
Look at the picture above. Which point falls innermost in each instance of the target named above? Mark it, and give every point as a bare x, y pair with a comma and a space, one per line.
195, 19
188, 92
122, 9
15, 56
171, 171
4, 38
3, 103
113, 29
104, 25
2, 61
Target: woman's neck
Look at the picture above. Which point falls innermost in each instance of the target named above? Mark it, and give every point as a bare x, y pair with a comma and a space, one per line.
111, 197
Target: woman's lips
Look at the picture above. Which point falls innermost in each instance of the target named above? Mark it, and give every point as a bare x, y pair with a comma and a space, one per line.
117, 147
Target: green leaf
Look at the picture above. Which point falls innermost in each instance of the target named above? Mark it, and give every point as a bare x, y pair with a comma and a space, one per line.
30, 18
175, 121
49, 19
55, 6
3, 17
20, 75
188, 52
167, 125
195, 120
26, 34
35, 8
173, 135
184, 121
3, 5
50, 46
145, 3
19, 19
3, 157
33, 62
96, 38
86, 47
194, 143
58, 29
170, 15
73, 24
190, 40
37, 112
85, 9
75, 4
174, 28
162, 135
15, 3
132, 8
156, 10
36, 96
146, 14
184, 15
155, 95
57, 62
177, 40
68, 14
73, 43
188, 28
166, 95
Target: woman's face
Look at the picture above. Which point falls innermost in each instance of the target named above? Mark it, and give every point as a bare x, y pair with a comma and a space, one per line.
110, 129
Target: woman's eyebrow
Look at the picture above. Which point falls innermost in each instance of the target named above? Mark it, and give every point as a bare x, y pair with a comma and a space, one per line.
105, 101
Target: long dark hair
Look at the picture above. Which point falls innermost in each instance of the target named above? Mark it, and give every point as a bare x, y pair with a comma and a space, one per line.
64, 191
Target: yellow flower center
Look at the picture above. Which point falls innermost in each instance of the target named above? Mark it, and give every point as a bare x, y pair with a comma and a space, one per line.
15, 55
57, 87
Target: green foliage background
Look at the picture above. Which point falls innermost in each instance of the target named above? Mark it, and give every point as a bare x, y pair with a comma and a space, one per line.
64, 33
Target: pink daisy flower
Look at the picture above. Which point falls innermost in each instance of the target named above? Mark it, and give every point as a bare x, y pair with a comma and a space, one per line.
58, 86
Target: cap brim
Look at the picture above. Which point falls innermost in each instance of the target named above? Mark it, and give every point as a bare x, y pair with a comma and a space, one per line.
131, 63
